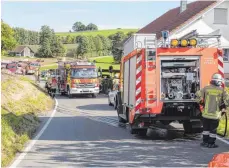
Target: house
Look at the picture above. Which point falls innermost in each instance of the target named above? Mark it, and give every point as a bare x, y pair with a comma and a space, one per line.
204, 17
22, 51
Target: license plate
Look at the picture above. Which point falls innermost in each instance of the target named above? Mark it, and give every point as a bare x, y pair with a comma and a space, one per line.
85, 90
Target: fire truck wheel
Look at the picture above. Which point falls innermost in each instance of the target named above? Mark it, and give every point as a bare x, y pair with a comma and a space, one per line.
94, 95
109, 102
142, 132
115, 104
133, 130
187, 127
121, 120
192, 127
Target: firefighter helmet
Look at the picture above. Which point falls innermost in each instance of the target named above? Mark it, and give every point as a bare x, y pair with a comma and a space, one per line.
217, 79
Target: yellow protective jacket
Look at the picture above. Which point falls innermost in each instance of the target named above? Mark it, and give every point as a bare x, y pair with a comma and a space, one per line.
213, 99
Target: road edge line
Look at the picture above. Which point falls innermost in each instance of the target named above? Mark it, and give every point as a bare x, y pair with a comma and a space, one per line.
223, 140
33, 141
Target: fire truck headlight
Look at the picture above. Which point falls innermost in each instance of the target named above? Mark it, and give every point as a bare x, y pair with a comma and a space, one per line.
184, 43
193, 42
174, 42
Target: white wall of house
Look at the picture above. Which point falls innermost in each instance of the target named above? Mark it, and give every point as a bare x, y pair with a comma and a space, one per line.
211, 18
205, 25
26, 51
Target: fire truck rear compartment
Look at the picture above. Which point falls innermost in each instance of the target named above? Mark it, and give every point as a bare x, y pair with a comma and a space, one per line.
179, 83
179, 79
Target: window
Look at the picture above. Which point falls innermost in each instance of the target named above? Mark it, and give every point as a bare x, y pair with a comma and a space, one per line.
226, 54
220, 16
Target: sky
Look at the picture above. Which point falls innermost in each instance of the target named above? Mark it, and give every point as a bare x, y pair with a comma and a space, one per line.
60, 16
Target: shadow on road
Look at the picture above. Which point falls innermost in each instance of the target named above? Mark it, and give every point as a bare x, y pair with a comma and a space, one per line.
77, 141
100, 107
63, 97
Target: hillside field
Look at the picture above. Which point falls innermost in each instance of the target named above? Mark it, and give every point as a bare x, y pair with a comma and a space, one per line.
94, 33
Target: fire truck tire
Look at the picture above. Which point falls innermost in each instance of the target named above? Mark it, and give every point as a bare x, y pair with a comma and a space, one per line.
121, 120
192, 127
109, 102
142, 132
133, 130
115, 104
94, 95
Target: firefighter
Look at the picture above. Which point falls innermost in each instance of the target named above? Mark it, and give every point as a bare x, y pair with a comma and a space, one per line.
54, 86
38, 75
214, 100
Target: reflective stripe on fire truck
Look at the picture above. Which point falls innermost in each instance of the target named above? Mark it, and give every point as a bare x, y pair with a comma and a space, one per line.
138, 84
220, 64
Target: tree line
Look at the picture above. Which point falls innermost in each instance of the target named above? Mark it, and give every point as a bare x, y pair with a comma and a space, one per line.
101, 45
79, 26
51, 45
23, 36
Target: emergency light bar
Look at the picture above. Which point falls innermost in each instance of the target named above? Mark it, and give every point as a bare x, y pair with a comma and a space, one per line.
183, 42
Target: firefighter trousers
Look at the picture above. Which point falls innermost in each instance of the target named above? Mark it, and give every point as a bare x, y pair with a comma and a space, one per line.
209, 130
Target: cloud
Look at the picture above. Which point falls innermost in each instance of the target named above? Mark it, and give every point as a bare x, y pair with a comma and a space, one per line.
77, 11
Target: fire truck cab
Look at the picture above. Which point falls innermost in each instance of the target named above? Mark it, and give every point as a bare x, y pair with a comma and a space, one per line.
158, 82
78, 78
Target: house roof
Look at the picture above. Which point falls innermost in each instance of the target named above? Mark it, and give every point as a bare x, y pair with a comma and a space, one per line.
19, 49
173, 19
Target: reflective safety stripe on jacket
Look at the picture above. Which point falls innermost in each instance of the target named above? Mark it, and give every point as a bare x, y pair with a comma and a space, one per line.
213, 98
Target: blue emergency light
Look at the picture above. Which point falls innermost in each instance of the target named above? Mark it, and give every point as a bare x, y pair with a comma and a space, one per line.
165, 34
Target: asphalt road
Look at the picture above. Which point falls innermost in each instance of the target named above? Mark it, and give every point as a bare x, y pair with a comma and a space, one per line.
85, 133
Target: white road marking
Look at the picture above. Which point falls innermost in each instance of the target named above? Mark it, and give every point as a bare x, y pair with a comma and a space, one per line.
223, 140
33, 141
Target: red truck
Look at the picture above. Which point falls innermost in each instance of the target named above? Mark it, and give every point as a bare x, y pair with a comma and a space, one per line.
32, 67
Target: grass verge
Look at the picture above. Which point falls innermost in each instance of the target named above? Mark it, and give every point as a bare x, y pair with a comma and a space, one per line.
22, 101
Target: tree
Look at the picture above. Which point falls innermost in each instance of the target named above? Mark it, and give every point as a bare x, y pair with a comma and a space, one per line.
116, 50
92, 46
83, 46
78, 38
26, 37
98, 45
8, 41
106, 44
129, 34
91, 26
78, 26
68, 39
50, 44
58, 48
45, 49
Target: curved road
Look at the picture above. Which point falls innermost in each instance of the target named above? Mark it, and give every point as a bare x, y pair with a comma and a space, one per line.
85, 132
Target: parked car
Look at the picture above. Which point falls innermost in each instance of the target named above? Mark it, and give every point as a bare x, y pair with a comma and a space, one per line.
3, 65
12, 67
112, 101
32, 67
219, 160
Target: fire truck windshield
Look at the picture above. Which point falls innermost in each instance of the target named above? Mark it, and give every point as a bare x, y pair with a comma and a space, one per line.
84, 73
